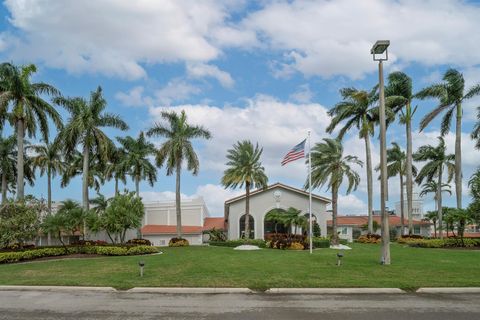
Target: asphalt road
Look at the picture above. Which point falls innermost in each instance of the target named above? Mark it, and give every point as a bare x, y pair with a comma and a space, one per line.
124, 305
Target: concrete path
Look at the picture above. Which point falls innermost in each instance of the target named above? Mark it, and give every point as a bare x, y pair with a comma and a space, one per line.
85, 304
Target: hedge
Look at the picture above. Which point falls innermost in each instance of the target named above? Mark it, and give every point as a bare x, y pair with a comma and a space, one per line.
235, 243
442, 243
9, 257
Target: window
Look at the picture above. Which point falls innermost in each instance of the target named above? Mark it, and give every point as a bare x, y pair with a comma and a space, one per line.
416, 229
344, 230
251, 226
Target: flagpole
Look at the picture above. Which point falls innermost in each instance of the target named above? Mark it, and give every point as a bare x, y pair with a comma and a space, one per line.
310, 189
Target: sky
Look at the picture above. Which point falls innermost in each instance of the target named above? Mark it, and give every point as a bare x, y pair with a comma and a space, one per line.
267, 71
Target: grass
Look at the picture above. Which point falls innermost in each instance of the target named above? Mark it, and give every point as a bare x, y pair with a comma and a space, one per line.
223, 267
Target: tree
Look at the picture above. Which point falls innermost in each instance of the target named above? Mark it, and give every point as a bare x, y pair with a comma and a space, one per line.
399, 92
432, 187
437, 162
72, 216
357, 110
114, 168
433, 217
244, 168
397, 165
49, 159
135, 160
29, 111
330, 167
177, 149
84, 128
96, 170
8, 163
451, 94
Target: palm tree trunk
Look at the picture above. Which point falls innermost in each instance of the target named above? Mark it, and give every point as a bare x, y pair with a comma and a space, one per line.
439, 204
408, 127
435, 228
137, 185
247, 210
369, 183
49, 199
334, 215
85, 184
20, 159
402, 213
178, 201
4, 188
116, 186
458, 157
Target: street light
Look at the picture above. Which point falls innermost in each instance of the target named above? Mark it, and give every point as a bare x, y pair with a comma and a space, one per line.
380, 54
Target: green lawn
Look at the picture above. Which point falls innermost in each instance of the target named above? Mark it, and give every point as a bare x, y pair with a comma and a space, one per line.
224, 267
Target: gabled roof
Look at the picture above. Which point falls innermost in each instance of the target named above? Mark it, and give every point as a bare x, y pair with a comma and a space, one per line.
278, 185
213, 222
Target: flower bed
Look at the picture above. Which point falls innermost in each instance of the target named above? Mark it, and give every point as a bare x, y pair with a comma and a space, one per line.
443, 243
9, 257
369, 238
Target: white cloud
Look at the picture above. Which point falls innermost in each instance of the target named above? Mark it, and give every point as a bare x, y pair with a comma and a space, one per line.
330, 38
351, 205
134, 98
176, 90
116, 37
303, 94
201, 70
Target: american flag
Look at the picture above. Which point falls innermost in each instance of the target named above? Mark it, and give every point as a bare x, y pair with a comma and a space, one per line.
297, 152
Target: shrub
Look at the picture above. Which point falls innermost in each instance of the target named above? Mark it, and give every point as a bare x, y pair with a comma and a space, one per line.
111, 251
140, 249
89, 243
178, 242
445, 243
369, 238
296, 246
143, 242
319, 242
19, 221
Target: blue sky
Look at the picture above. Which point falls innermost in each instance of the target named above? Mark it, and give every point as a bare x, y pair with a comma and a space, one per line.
266, 71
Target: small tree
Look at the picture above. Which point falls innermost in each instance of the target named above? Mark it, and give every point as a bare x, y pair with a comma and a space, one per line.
20, 221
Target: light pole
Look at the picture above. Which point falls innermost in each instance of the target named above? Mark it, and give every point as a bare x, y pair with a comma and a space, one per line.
380, 54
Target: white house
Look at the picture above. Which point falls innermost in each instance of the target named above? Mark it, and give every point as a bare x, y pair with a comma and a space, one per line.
262, 201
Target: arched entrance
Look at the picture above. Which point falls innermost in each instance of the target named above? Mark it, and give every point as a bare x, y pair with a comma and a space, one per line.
251, 223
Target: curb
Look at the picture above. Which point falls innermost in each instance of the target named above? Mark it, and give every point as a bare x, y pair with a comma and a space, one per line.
449, 290
56, 288
188, 290
333, 290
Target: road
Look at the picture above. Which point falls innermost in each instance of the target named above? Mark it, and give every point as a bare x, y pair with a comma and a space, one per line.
125, 305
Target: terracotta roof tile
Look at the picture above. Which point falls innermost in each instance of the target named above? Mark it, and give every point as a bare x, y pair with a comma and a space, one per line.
217, 223
164, 229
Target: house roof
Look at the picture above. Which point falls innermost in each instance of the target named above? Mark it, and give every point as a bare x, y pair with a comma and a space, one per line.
359, 221
165, 229
217, 223
278, 185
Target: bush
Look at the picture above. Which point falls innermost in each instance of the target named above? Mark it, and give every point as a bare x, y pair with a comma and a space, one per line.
235, 243
19, 221
89, 243
319, 242
296, 246
178, 242
111, 251
141, 250
143, 242
445, 243
369, 238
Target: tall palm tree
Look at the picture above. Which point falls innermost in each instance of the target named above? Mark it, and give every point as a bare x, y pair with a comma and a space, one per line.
433, 216
96, 170
451, 94
437, 162
49, 159
29, 111
330, 167
399, 93
432, 187
397, 165
114, 168
84, 128
8, 163
176, 149
245, 168
135, 160
357, 110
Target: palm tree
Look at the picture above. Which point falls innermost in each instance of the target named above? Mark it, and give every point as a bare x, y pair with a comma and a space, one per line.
49, 159
451, 94
8, 163
432, 187
114, 168
396, 165
330, 167
245, 168
358, 111
29, 111
176, 149
433, 216
474, 185
438, 161
135, 160
96, 170
399, 92
84, 129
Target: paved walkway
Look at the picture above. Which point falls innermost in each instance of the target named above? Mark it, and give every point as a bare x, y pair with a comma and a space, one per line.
33, 304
